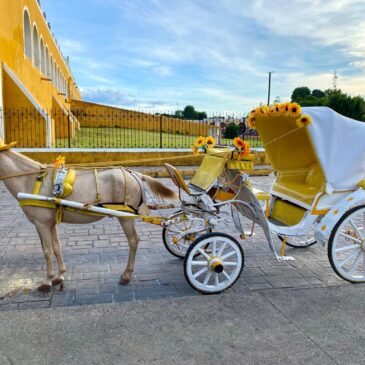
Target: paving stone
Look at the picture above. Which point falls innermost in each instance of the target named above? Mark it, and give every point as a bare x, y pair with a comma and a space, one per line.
34, 305
93, 299
61, 299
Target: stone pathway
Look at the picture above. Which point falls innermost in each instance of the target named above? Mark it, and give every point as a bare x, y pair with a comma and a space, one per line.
96, 254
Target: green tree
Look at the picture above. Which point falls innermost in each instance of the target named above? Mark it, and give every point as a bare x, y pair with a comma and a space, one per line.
231, 131
189, 112
300, 93
318, 93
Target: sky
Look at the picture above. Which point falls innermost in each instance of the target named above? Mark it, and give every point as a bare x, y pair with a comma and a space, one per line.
161, 55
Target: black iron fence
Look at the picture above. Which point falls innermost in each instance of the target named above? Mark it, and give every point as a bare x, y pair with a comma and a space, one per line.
116, 128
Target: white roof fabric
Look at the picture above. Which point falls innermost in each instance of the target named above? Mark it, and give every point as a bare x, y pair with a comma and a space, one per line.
339, 143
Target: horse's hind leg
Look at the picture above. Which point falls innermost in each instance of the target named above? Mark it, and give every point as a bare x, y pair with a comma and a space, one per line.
46, 241
133, 240
56, 245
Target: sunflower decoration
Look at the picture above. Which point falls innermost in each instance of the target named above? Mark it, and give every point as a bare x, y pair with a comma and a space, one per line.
285, 108
304, 120
294, 109
60, 162
202, 144
242, 147
251, 122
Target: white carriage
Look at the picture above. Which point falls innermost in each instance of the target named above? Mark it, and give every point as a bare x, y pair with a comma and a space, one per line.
318, 196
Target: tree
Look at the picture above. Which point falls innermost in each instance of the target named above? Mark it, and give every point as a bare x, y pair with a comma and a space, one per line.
349, 106
189, 112
318, 93
300, 93
231, 131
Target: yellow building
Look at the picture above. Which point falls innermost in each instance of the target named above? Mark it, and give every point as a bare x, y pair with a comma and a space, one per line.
36, 83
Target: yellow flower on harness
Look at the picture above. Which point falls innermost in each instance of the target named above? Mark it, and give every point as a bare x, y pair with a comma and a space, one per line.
304, 120
210, 141
199, 141
60, 162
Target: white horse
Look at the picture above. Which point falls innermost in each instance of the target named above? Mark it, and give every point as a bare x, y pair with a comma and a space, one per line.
116, 185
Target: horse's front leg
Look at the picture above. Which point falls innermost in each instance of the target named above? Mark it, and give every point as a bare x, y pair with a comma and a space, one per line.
46, 241
57, 251
133, 240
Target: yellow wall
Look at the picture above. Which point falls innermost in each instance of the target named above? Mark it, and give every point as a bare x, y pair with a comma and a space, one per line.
38, 84
96, 115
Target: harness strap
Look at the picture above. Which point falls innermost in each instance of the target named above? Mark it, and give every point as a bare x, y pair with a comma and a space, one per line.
125, 185
139, 181
98, 194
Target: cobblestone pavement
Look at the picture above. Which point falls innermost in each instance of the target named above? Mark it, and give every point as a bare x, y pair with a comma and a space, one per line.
96, 254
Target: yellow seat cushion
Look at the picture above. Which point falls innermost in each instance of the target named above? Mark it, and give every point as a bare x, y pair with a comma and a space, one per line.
209, 170
298, 191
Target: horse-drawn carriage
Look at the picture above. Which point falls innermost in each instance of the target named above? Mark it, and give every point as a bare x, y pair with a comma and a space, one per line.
318, 196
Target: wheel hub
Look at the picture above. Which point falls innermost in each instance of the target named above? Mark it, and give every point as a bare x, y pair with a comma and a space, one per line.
216, 264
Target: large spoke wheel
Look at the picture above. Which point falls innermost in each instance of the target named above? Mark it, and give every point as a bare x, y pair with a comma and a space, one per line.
175, 238
346, 246
213, 270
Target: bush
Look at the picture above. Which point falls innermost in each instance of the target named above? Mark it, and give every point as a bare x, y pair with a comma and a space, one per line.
231, 131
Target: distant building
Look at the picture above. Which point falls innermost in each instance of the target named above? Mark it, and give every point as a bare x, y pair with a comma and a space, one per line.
34, 77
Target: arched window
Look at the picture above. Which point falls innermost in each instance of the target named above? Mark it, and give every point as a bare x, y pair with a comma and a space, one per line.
36, 56
51, 68
46, 63
27, 35
43, 58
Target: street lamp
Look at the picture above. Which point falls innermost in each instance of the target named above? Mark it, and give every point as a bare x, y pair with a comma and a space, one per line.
269, 89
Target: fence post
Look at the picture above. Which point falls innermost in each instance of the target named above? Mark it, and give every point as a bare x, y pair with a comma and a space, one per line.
69, 129
160, 131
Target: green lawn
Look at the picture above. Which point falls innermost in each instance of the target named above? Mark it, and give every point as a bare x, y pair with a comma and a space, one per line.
105, 137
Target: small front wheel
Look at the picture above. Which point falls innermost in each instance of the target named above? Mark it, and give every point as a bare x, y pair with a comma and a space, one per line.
213, 270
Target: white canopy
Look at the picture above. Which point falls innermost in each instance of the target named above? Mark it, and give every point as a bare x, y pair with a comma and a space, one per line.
339, 143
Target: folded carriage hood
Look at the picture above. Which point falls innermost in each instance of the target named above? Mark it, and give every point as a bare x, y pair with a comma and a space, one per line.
339, 143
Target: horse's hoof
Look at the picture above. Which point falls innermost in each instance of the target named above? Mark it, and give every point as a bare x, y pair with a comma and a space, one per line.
124, 281
57, 281
44, 288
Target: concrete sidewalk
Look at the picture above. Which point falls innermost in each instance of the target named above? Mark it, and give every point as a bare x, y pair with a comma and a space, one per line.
287, 326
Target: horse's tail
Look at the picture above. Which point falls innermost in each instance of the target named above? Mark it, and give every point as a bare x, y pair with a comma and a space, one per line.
157, 188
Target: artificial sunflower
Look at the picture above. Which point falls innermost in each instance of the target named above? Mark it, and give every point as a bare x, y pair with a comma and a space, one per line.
195, 150
210, 141
239, 143
294, 109
251, 122
199, 141
245, 150
304, 120
285, 108
60, 162
277, 108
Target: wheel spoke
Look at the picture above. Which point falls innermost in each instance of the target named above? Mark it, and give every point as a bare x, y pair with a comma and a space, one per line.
345, 248
355, 263
199, 263
229, 263
214, 248
229, 254
226, 275
356, 229
347, 259
207, 277
221, 249
349, 237
200, 272
216, 279
204, 253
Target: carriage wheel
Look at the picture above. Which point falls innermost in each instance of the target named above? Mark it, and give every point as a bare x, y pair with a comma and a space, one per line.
300, 241
216, 269
346, 246
174, 239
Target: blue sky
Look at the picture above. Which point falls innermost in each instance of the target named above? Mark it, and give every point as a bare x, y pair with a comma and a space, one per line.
215, 55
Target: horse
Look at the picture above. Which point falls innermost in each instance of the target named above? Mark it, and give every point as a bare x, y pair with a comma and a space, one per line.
109, 185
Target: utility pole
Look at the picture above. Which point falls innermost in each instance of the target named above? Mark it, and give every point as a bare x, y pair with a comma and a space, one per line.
334, 80
269, 89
